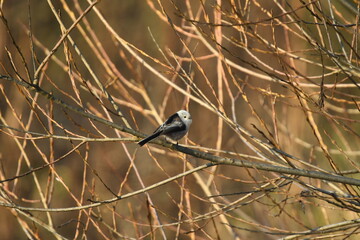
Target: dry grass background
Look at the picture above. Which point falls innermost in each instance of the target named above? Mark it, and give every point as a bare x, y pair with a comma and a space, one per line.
273, 89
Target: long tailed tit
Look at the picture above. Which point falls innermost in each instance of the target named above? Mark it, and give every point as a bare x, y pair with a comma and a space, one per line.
175, 127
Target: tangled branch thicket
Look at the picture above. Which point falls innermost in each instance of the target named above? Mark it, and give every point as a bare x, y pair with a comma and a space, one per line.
272, 87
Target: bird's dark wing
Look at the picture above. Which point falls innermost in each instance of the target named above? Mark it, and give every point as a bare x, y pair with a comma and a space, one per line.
173, 124
178, 126
172, 118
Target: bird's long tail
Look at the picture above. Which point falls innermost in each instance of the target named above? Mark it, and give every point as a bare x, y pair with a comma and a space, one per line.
149, 138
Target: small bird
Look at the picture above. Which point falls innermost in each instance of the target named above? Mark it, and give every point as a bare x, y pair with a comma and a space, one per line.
175, 127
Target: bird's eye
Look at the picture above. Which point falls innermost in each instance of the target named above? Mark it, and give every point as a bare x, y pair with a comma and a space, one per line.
184, 116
